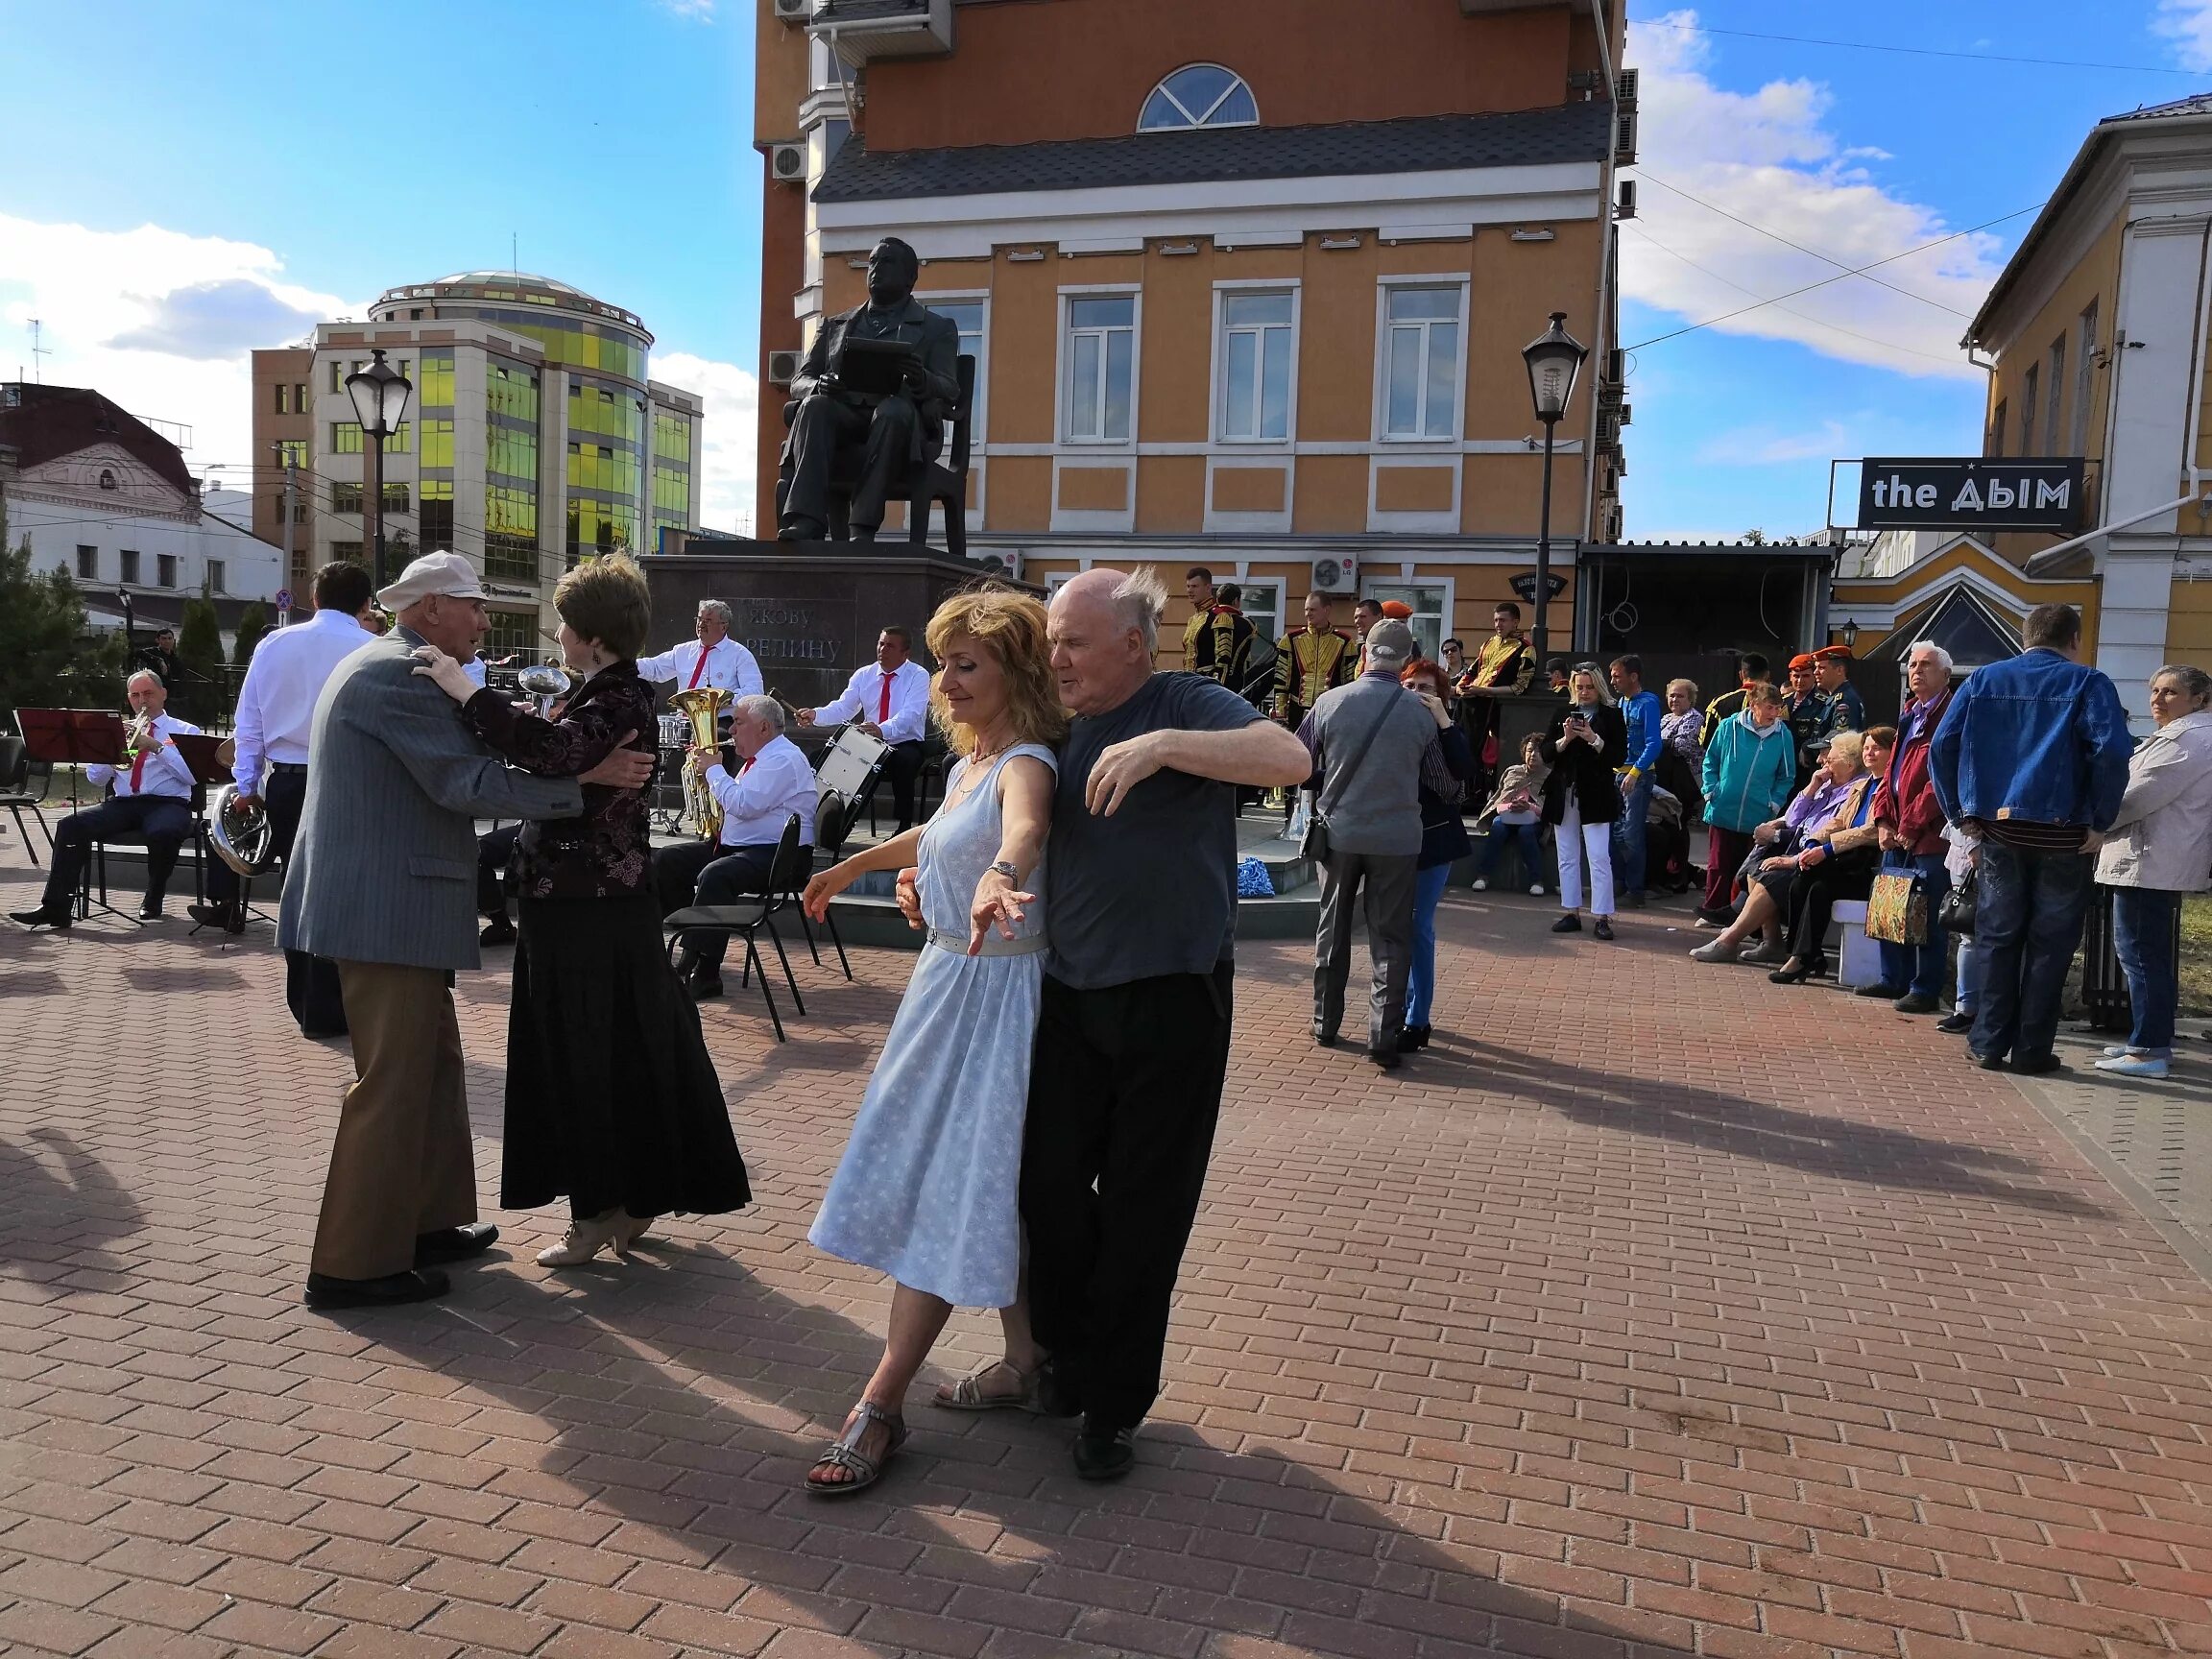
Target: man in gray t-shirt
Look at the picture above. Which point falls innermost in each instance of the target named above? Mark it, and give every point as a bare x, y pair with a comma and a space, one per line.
1132, 1037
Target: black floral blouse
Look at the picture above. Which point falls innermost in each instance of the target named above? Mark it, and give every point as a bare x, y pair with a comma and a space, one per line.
608, 852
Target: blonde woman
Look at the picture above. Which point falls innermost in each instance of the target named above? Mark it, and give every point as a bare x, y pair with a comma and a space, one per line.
1586, 740
928, 1187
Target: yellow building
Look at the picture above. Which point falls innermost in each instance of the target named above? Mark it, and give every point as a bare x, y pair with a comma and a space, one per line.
1246, 282
2098, 328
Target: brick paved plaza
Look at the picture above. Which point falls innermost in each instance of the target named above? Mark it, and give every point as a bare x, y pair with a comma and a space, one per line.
1657, 1310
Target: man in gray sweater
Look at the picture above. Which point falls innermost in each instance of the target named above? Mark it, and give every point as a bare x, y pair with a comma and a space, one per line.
1368, 739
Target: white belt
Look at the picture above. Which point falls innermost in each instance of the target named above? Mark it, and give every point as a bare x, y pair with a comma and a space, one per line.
993, 944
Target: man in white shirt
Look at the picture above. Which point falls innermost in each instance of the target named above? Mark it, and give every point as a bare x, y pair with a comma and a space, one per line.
153, 799
713, 658
275, 708
891, 696
772, 781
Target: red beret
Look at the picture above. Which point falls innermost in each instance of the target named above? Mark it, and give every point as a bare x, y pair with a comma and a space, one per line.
1833, 654
1803, 659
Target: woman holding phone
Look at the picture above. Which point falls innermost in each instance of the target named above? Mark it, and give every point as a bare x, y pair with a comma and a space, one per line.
1586, 740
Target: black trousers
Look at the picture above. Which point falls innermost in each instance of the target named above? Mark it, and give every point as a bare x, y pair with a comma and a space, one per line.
311, 990
902, 766
824, 425
1850, 875
493, 853
703, 873
164, 820
1124, 1095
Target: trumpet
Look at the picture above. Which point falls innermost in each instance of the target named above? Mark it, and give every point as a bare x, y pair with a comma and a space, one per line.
138, 733
702, 709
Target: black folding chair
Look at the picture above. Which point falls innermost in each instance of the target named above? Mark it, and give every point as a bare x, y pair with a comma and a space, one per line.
751, 917
15, 794
833, 816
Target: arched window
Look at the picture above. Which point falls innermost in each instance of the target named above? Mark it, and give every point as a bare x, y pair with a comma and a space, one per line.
1199, 95
107, 479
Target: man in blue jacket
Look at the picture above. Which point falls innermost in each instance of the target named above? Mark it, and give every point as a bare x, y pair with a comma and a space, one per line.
1641, 710
2032, 755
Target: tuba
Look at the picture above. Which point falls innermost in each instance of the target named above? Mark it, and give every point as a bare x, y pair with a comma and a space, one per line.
702, 709
242, 835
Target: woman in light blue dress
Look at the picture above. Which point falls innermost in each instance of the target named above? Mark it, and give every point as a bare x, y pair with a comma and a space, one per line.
928, 1188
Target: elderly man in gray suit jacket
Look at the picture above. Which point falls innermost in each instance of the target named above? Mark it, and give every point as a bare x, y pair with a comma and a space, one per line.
383, 882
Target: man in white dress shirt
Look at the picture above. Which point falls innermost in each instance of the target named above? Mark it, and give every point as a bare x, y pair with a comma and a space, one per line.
153, 799
773, 781
275, 708
891, 695
713, 658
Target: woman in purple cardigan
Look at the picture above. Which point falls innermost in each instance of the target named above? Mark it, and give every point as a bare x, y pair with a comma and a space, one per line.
611, 1097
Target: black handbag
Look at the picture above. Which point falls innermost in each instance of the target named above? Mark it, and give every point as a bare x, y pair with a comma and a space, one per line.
1315, 845
1956, 914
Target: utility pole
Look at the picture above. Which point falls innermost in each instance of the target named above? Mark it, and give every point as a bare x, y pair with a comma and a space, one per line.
291, 511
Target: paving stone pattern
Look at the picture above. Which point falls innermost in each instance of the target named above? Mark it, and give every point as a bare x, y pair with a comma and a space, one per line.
1656, 1311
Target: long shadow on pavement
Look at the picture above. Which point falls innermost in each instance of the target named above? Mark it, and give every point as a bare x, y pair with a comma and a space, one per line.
74, 1213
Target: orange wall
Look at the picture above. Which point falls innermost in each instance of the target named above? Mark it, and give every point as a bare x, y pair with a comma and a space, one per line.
1006, 82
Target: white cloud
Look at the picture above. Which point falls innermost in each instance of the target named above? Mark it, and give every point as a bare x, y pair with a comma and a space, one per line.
1769, 157
2188, 24
1768, 446
694, 10
157, 320
733, 396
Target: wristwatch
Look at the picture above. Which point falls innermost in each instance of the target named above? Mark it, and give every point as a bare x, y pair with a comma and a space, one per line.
1006, 867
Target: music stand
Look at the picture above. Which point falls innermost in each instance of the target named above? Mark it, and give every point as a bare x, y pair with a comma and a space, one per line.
200, 752
77, 738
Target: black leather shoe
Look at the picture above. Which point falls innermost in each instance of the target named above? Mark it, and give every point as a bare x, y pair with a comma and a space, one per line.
1991, 1062
1104, 1454
1054, 1398
148, 909
1389, 1058
1568, 923
497, 931
1887, 992
1412, 1039
209, 915
802, 530
393, 1290
704, 987
1794, 973
2037, 1065
1956, 1024
1604, 929
1324, 1039
454, 1243
1913, 1003
58, 920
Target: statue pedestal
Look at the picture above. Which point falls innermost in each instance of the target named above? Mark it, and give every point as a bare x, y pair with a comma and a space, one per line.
808, 610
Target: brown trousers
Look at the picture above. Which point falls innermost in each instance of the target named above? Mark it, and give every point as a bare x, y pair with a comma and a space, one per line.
402, 1163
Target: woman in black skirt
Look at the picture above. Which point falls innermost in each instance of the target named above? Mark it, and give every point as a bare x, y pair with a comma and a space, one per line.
611, 1097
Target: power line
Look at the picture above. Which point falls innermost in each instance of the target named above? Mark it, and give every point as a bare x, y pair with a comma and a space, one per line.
1829, 258
1826, 281
1915, 51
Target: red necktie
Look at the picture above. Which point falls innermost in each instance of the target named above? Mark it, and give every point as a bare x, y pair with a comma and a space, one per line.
883, 703
747, 767
138, 761
697, 668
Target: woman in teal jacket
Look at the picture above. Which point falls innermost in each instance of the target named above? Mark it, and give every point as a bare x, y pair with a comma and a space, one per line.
1750, 765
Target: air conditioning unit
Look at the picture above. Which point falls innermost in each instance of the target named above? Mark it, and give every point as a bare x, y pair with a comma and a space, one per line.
1624, 87
1608, 431
783, 367
1003, 563
787, 163
1336, 575
794, 11
1624, 139
1614, 367
1626, 207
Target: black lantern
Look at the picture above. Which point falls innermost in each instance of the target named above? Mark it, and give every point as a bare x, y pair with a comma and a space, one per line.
1554, 359
1850, 632
379, 394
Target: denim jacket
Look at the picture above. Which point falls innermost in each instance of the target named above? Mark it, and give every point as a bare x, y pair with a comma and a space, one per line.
2039, 738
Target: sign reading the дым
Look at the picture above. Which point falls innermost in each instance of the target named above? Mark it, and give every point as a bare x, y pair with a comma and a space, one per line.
1976, 493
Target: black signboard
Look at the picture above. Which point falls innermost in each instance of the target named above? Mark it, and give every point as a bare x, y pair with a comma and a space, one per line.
1976, 493
1524, 585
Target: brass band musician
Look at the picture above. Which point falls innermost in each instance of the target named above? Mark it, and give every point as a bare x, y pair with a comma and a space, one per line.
1308, 661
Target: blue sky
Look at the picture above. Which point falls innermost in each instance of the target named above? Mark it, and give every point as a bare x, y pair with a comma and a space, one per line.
207, 193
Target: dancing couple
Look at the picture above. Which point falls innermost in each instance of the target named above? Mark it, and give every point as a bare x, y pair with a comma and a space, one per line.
1056, 1066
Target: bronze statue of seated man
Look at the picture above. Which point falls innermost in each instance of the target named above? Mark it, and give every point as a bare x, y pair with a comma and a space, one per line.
887, 403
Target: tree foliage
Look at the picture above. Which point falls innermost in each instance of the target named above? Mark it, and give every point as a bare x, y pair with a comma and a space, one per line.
200, 656
46, 658
252, 623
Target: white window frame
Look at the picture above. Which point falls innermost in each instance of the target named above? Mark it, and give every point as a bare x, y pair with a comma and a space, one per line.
1398, 587
1217, 391
2031, 395
2084, 374
1201, 120
1275, 585
2056, 395
977, 427
1385, 286
1064, 362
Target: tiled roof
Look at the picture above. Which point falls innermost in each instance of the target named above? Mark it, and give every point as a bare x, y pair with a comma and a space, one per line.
2197, 103
44, 422
1418, 144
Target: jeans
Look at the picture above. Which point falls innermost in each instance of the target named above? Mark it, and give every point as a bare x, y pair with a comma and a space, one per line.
2028, 923
1631, 837
1969, 992
1421, 972
2143, 938
1528, 838
1578, 841
1918, 969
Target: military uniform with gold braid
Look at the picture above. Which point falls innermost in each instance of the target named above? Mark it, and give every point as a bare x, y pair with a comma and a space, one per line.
1307, 665
1218, 644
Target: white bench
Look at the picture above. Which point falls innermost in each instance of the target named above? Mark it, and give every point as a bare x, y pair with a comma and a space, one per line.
1859, 961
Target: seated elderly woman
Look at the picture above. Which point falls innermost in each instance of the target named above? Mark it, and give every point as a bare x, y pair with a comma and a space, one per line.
1829, 828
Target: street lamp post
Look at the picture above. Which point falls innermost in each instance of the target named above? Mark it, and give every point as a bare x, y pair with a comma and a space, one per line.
1554, 359
379, 394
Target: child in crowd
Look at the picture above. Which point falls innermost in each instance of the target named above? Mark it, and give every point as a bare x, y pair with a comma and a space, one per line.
1516, 814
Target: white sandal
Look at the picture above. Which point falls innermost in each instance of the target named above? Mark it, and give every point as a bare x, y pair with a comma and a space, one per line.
968, 1395
844, 1452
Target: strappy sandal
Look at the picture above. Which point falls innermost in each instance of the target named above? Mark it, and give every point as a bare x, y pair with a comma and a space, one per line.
843, 1453
968, 1395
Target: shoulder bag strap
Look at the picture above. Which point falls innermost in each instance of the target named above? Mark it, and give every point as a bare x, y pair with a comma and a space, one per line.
1336, 792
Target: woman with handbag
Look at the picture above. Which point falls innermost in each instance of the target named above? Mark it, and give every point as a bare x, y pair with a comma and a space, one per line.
1585, 741
2159, 848
1444, 772
1903, 908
